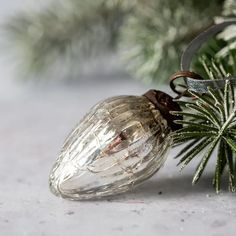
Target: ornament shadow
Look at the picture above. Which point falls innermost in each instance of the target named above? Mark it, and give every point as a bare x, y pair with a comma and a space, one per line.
166, 188
176, 186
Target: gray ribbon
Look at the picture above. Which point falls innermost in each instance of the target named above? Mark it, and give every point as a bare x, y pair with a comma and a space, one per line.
202, 85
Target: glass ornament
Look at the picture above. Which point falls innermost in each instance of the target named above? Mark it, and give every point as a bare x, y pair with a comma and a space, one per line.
120, 143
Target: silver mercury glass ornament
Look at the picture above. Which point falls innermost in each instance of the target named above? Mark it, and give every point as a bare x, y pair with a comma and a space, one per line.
119, 144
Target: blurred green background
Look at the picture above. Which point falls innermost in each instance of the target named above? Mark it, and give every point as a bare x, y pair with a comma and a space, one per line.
63, 39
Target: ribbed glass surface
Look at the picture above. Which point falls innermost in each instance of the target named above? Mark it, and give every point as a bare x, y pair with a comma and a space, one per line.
121, 142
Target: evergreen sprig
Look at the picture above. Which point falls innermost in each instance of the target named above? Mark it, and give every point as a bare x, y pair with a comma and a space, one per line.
209, 123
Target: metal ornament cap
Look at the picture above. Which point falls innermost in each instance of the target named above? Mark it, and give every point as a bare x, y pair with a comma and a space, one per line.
120, 143
164, 103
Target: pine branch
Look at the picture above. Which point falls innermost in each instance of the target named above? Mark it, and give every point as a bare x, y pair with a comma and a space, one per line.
214, 115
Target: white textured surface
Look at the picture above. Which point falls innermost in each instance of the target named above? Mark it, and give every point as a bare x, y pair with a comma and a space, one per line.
34, 120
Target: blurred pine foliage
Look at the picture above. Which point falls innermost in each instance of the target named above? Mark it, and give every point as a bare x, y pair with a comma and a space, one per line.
148, 34
157, 32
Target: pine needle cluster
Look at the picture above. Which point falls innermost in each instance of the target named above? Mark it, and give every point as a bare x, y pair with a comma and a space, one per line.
209, 123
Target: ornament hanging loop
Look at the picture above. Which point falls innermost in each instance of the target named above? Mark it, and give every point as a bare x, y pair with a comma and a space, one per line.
193, 81
183, 74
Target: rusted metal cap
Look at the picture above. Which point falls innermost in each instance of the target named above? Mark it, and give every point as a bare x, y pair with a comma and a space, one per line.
164, 103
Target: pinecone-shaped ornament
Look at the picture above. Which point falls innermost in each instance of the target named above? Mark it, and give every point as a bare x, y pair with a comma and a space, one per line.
120, 143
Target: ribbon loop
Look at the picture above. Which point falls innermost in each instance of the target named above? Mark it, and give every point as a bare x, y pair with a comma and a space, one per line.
193, 81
